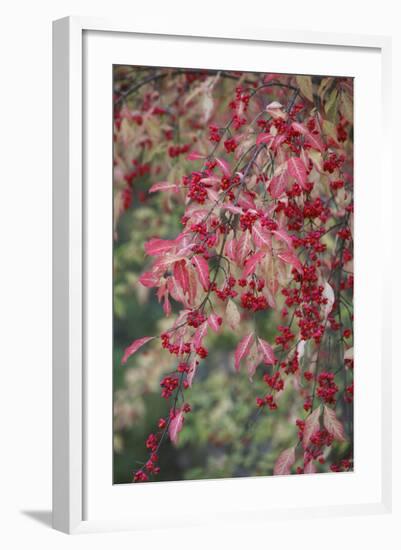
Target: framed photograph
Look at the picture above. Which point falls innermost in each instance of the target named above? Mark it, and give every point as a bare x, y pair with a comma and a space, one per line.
219, 261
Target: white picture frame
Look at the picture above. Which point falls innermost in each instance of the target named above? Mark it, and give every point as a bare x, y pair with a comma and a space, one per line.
70, 380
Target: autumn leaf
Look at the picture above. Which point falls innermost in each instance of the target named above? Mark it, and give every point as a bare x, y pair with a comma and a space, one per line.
285, 461
232, 315
224, 167
214, 322
202, 268
311, 425
252, 262
278, 184
134, 347
296, 169
242, 349
163, 186
260, 236
200, 333
156, 247
267, 351
290, 258
332, 424
175, 426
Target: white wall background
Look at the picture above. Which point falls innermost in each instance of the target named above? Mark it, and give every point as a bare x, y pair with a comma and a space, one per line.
25, 218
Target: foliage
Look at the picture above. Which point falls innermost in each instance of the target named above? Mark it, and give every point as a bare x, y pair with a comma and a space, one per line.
233, 220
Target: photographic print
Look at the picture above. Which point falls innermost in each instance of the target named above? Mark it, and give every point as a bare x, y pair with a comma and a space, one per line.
232, 274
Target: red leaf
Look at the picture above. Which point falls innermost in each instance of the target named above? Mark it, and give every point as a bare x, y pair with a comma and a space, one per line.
290, 258
199, 335
245, 200
166, 306
243, 247
300, 128
252, 262
148, 279
230, 249
311, 425
268, 353
278, 184
315, 142
242, 349
214, 322
224, 167
175, 289
176, 426
132, 348
283, 236
284, 462
163, 186
180, 273
202, 268
260, 235
156, 247
264, 138
332, 424
192, 370
195, 156
297, 170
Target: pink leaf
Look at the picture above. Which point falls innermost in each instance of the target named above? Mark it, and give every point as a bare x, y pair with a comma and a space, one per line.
230, 249
310, 468
315, 142
332, 424
192, 370
195, 156
202, 268
251, 263
243, 247
148, 279
163, 186
175, 426
175, 289
278, 184
180, 273
260, 235
300, 128
264, 138
213, 195
231, 208
297, 170
199, 335
242, 350
245, 200
132, 348
214, 322
284, 462
283, 236
311, 425
156, 247
268, 353
166, 306
224, 167
290, 258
